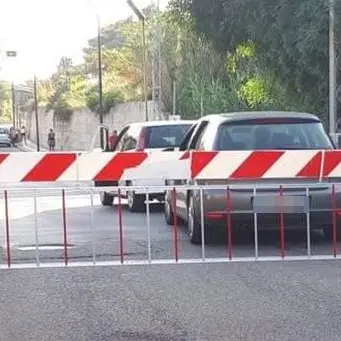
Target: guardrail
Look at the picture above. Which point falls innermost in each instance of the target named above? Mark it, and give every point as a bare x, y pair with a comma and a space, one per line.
284, 200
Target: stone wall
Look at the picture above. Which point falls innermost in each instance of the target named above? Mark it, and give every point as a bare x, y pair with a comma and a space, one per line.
77, 134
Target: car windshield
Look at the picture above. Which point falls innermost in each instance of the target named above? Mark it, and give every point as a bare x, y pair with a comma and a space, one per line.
282, 134
3, 131
166, 136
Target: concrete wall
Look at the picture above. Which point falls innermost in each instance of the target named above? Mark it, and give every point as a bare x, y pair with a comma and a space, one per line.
78, 133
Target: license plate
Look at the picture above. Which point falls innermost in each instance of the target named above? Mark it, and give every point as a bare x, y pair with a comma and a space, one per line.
280, 204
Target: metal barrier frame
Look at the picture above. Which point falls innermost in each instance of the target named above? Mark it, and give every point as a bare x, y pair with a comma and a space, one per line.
91, 191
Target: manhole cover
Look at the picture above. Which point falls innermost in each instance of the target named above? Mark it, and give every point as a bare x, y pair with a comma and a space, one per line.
43, 247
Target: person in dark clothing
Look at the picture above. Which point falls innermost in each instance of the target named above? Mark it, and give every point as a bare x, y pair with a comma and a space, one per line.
51, 140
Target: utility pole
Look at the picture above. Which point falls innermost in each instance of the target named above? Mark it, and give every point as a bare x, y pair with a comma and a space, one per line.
13, 105
100, 79
142, 18
332, 68
156, 59
36, 112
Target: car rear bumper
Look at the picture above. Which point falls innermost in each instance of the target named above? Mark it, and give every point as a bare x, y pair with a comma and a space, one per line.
218, 204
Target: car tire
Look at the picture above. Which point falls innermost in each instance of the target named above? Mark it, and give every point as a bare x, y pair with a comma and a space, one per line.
136, 202
168, 212
194, 228
106, 199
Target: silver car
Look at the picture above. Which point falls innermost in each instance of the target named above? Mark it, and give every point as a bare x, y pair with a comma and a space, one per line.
5, 139
247, 131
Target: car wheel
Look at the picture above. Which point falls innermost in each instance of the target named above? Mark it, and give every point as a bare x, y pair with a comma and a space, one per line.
168, 212
136, 202
194, 228
106, 199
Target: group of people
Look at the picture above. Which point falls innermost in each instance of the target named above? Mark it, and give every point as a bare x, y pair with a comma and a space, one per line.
19, 135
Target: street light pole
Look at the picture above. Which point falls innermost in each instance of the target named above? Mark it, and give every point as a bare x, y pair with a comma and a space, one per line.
36, 112
100, 78
144, 68
13, 105
142, 18
332, 69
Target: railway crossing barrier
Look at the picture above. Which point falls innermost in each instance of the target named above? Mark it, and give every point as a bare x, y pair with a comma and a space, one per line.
280, 171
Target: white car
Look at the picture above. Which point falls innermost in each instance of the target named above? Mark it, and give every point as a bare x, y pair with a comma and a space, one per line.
149, 137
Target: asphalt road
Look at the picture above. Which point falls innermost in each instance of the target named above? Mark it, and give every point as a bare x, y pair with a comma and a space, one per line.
235, 301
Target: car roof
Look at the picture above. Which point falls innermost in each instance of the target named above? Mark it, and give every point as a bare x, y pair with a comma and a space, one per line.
238, 116
161, 123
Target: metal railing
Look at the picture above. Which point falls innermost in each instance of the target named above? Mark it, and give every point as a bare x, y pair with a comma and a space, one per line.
261, 206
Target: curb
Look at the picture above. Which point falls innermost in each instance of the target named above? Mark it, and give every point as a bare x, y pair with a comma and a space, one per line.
28, 149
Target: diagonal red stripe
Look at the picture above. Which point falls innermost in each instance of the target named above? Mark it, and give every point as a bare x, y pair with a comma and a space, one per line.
200, 160
257, 164
331, 160
114, 169
3, 157
312, 168
185, 156
50, 167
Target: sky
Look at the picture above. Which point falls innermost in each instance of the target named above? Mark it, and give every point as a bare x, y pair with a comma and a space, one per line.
42, 31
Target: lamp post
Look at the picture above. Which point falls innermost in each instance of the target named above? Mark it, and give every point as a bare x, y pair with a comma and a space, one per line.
142, 18
35, 93
100, 78
332, 69
12, 54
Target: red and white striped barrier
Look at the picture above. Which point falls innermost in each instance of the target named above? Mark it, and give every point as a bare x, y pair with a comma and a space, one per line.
54, 167
231, 165
291, 164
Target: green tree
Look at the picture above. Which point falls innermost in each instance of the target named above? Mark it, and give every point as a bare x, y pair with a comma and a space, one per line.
291, 40
5, 102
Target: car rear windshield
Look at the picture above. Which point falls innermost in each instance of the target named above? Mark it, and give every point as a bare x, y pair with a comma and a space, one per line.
166, 136
272, 134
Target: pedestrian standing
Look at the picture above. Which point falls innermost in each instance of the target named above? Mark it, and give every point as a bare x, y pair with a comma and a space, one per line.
23, 134
51, 140
113, 139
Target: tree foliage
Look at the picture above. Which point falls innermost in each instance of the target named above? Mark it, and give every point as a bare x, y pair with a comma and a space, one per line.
5, 102
290, 37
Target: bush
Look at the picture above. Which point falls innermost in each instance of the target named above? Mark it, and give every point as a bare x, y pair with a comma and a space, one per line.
110, 99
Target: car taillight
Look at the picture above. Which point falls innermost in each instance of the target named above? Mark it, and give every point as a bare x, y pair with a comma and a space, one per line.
142, 140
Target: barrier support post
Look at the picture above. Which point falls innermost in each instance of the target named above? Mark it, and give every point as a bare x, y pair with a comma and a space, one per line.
66, 258
120, 225
229, 222
148, 227
255, 222
308, 224
92, 226
334, 221
202, 218
8, 245
281, 216
175, 226
36, 226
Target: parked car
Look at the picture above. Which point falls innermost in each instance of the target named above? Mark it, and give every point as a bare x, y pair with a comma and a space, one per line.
246, 131
147, 136
5, 139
